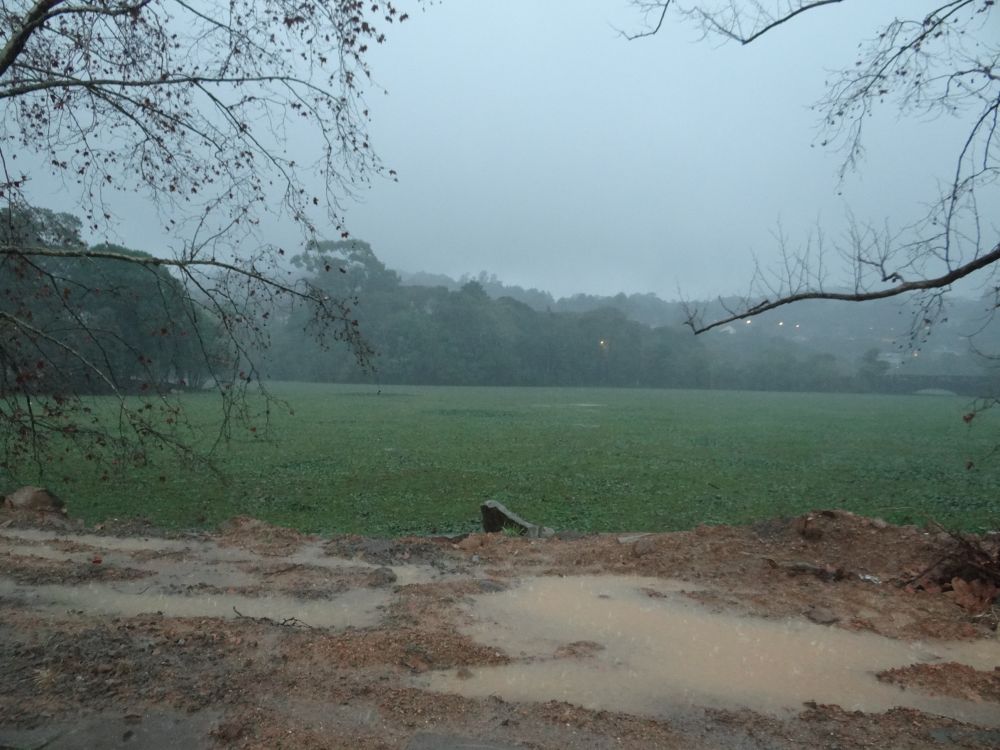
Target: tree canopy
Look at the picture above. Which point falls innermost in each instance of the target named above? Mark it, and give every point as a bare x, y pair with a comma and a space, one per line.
222, 114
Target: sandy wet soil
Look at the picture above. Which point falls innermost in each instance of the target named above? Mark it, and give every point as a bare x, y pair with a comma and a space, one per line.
780, 635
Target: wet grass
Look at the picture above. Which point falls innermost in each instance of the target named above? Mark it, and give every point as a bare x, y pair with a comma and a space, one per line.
420, 460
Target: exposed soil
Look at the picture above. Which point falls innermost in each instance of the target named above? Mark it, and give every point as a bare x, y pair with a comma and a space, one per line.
261, 637
958, 680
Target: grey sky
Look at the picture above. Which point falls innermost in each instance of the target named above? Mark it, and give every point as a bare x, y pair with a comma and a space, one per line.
534, 142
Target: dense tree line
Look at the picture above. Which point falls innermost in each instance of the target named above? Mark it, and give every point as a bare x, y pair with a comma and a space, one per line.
433, 330
433, 335
136, 328
90, 320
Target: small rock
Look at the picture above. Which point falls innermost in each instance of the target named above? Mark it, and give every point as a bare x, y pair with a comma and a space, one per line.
631, 538
578, 649
380, 577
822, 616
806, 528
489, 586
34, 498
417, 659
823, 572
644, 546
472, 541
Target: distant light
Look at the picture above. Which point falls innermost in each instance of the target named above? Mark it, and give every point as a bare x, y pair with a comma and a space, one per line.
781, 322
796, 325
916, 354
747, 321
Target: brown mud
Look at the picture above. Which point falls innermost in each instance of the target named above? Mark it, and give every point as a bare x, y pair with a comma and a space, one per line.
806, 632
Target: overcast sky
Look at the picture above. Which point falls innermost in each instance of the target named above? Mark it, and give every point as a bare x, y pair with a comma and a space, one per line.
535, 142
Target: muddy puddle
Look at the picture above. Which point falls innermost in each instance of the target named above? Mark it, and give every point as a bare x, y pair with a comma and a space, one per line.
354, 608
157, 555
196, 578
639, 646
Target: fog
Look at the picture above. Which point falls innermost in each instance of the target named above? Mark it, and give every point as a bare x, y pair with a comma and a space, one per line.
533, 141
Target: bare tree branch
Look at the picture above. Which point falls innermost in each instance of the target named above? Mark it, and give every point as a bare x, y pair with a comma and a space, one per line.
944, 61
31, 21
940, 282
770, 23
655, 28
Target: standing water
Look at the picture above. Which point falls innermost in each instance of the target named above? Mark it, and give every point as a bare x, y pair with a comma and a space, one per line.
632, 644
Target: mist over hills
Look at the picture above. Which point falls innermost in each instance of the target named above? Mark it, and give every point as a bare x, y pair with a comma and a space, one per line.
428, 328
431, 329
845, 329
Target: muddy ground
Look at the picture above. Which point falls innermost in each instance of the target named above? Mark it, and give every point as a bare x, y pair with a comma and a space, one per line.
811, 632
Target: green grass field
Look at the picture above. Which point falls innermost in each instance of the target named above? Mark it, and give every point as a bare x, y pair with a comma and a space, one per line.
420, 460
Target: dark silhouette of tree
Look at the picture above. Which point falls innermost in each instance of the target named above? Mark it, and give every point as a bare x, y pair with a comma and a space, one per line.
224, 115
944, 60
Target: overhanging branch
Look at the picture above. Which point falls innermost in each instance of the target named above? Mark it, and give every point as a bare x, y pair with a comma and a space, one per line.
152, 261
939, 282
767, 27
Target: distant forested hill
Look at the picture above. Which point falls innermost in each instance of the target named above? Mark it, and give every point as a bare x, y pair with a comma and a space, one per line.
432, 329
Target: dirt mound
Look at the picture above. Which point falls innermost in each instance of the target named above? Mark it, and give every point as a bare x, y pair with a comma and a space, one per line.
401, 551
258, 536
